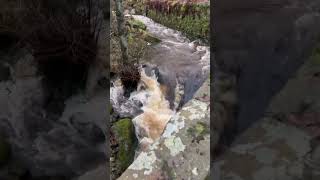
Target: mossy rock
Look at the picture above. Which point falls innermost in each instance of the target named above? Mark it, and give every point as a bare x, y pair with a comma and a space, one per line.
137, 24
124, 133
151, 39
4, 151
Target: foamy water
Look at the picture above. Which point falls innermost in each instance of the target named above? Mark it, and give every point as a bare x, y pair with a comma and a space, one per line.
156, 111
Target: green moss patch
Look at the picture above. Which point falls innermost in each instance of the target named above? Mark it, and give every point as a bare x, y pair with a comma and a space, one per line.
138, 33
137, 24
151, 39
125, 136
198, 130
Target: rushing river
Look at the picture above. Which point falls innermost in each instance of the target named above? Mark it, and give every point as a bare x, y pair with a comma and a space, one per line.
173, 70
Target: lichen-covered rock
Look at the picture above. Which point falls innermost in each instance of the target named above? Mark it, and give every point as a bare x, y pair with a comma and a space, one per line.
124, 134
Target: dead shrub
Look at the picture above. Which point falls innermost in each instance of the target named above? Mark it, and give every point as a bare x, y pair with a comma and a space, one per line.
130, 77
